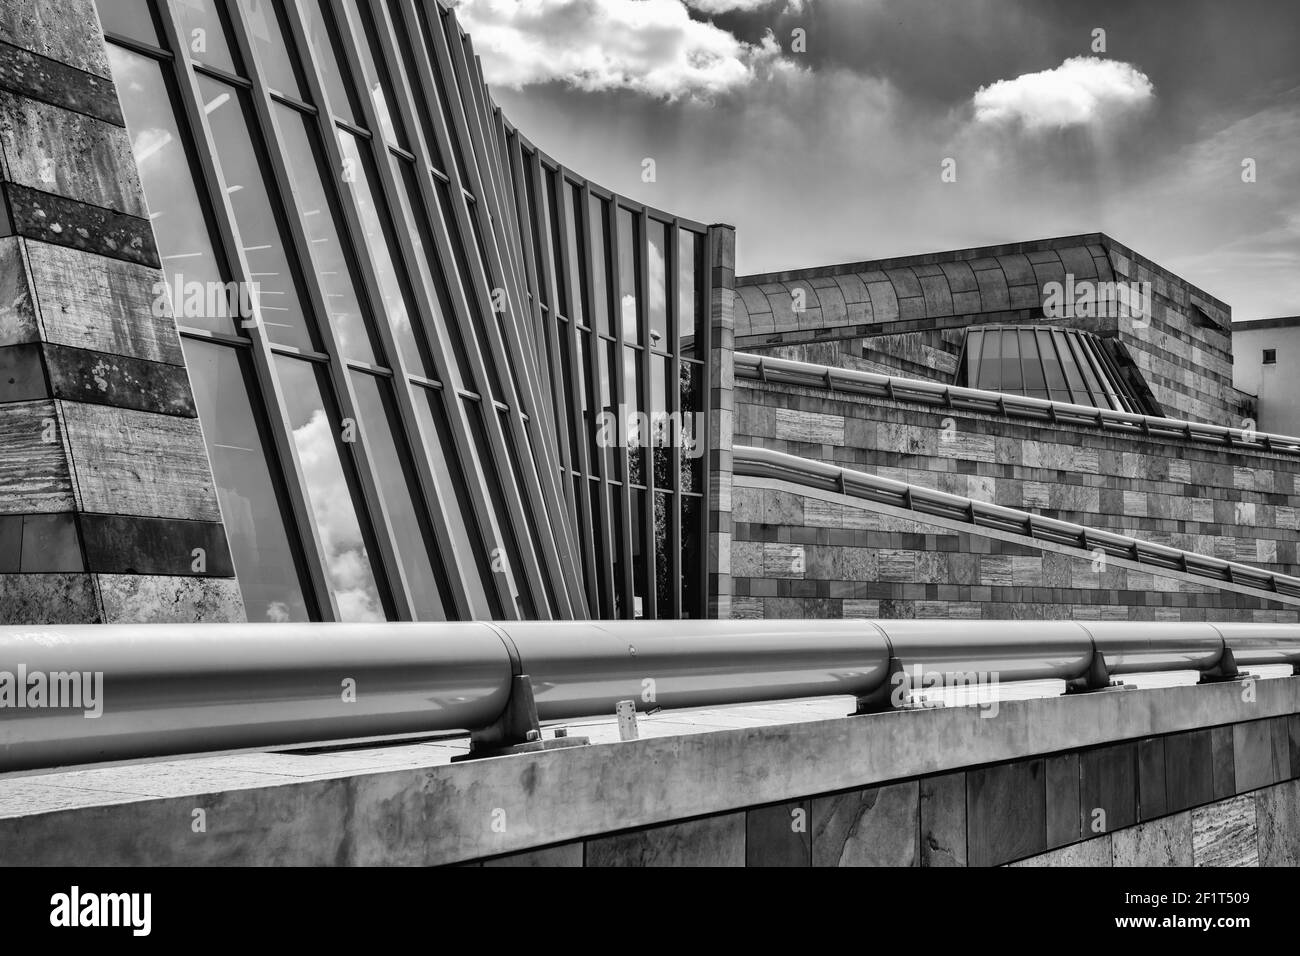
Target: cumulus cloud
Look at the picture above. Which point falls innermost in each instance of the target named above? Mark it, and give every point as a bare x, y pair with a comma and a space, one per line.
652, 47
1081, 91
728, 6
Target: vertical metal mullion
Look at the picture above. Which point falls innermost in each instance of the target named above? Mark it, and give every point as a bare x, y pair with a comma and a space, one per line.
705, 351
673, 405
577, 386
604, 570
434, 497
463, 298
511, 350
621, 453
650, 582
271, 399
344, 394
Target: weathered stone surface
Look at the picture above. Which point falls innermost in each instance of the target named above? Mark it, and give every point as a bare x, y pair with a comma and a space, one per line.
31, 75
1005, 812
878, 826
58, 32
80, 376
943, 820
48, 599
567, 854
712, 841
1224, 833
143, 599
1163, 842
131, 462
779, 835
1277, 816
1094, 852
66, 222
34, 474
1252, 745
17, 310
69, 154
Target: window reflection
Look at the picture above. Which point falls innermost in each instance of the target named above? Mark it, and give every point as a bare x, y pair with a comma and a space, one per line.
251, 507
690, 290
318, 436
599, 216
202, 29
376, 77
329, 58
328, 255
260, 230
657, 284
129, 18
266, 27
383, 253
629, 271
186, 247
415, 541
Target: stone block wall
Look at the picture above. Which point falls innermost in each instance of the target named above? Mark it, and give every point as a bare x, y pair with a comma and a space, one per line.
1201, 497
108, 510
817, 554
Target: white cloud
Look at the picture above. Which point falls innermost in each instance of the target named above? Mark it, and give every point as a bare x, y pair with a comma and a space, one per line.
728, 6
1081, 91
647, 46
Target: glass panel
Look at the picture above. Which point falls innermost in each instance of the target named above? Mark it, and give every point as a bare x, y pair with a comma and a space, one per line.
570, 398
506, 556
1096, 399
186, 247
577, 261
1011, 376
640, 563
1057, 389
692, 548
1034, 386
636, 439
694, 430
588, 381
629, 271
1073, 379
598, 215
554, 246
470, 557
376, 76
260, 229
686, 292
329, 59
129, 18
657, 284
274, 55
254, 510
664, 588
406, 47
616, 499
382, 246
608, 352
414, 538
318, 436
203, 30
329, 257
968, 374
661, 429
990, 374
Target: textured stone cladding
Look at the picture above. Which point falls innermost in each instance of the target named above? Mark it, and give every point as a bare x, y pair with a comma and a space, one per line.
797, 556
908, 316
108, 509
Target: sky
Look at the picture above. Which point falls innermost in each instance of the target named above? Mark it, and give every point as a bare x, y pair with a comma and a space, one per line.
831, 144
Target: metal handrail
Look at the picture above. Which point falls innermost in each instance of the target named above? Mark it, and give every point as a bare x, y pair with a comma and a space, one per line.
173, 689
765, 463
788, 372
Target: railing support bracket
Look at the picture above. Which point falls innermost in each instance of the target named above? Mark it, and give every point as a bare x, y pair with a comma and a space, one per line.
517, 730
1096, 679
1224, 671
882, 699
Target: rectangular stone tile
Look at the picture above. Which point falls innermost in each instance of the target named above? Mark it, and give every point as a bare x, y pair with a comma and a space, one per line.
779, 835
1252, 745
876, 826
34, 474
1293, 735
168, 599
1282, 769
78, 375
943, 820
66, 222
48, 599
710, 841
1225, 833
1005, 812
1163, 842
566, 854
1152, 799
1094, 852
1189, 770
1225, 774
1062, 807
1108, 788
1277, 818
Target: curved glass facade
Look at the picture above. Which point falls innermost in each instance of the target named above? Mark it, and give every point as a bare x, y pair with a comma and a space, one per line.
442, 377
1059, 365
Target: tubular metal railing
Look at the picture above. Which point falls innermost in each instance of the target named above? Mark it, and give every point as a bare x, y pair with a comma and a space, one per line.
765, 463
164, 690
787, 372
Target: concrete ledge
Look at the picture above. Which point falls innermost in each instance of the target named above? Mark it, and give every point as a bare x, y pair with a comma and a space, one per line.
453, 813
